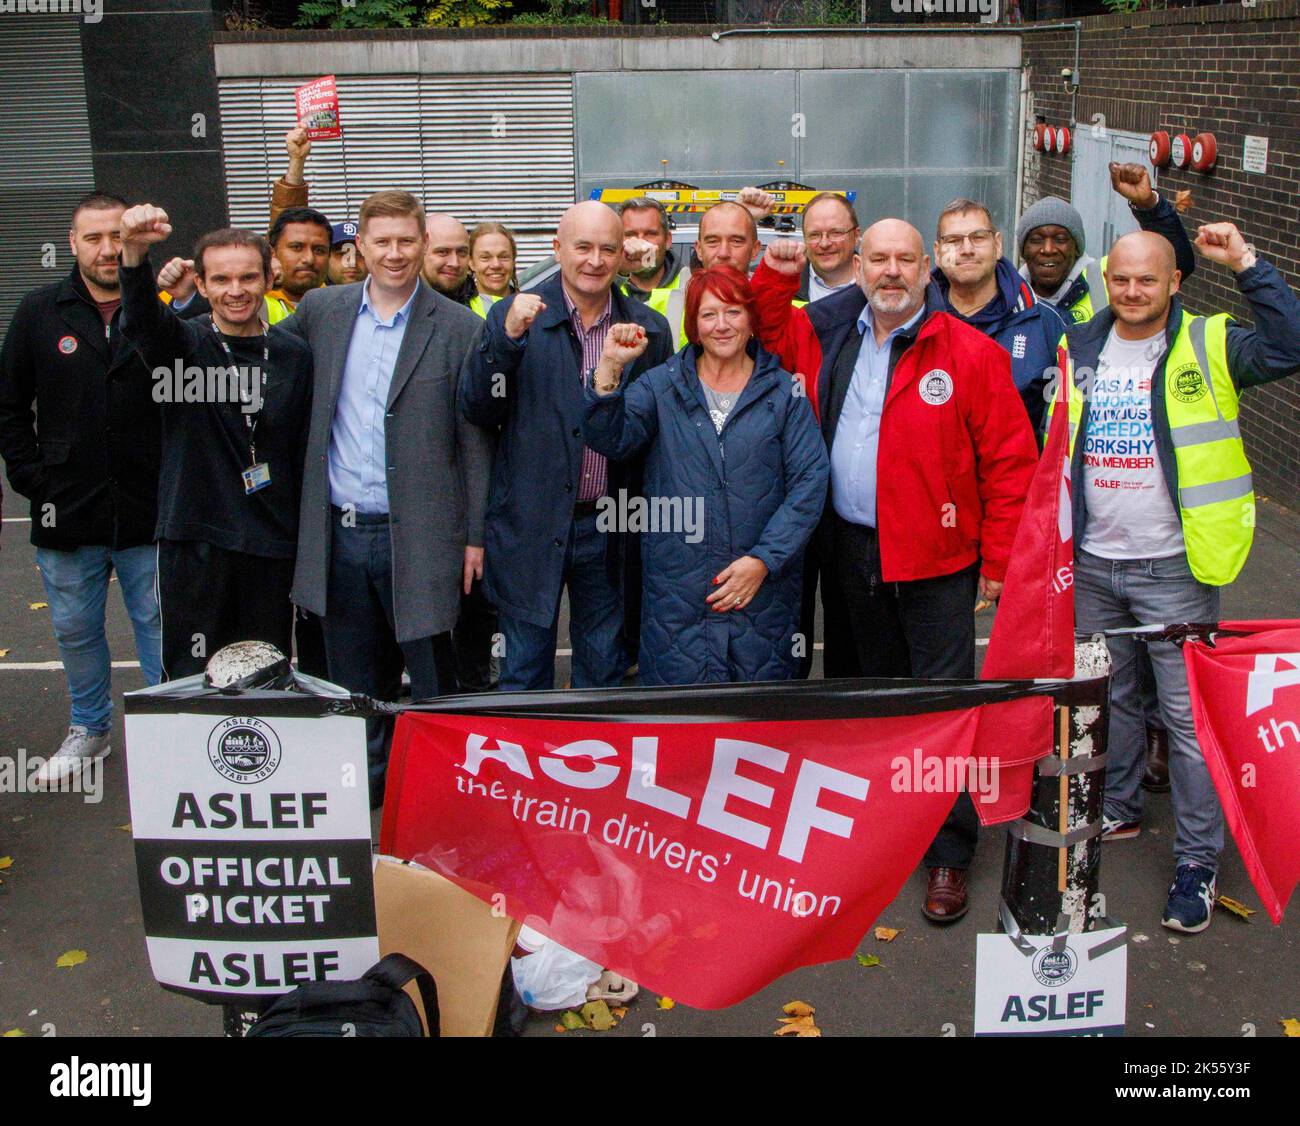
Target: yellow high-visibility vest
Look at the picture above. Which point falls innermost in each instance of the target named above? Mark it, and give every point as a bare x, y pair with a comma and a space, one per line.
1095, 275
1216, 497
481, 303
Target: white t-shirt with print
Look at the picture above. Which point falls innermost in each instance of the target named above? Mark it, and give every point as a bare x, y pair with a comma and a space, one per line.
1130, 514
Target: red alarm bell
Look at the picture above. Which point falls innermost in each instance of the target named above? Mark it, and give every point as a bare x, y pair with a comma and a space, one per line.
1204, 152
1180, 151
1159, 149
1039, 141
1063, 139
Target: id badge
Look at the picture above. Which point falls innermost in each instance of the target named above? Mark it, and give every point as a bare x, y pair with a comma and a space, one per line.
256, 477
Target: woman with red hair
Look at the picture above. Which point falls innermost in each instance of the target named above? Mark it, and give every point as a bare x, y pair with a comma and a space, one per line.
735, 480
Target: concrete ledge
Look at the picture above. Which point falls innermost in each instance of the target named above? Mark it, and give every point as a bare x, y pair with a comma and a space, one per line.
309, 54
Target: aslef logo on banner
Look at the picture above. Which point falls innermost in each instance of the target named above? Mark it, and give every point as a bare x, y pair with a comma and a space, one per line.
244, 750
1054, 967
1272, 671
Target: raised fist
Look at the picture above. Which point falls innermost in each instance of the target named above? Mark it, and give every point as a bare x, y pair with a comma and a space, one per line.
144, 225
756, 201
639, 254
1133, 183
296, 143
786, 256
1223, 243
522, 312
177, 278
624, 343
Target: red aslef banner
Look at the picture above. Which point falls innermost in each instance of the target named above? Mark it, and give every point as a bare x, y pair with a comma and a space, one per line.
702, 853
1246, 705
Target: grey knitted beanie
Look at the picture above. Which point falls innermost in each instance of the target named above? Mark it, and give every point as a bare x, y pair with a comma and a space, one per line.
1050, 211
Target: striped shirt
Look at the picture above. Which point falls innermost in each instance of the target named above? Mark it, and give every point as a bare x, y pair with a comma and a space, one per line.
594, 479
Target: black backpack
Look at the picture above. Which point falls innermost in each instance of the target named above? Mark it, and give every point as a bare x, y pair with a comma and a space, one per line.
376, 1005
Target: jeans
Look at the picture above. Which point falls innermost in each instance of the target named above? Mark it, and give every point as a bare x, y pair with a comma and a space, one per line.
1121, 593
600, 657
76, 585
361, 645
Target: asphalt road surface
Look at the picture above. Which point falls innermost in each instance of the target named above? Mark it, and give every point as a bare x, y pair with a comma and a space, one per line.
72, 885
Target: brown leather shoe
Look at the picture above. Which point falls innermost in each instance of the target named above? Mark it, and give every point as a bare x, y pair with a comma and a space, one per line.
945, 897
1156, 779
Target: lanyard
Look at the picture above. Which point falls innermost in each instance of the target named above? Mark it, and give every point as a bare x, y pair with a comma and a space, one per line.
251, 420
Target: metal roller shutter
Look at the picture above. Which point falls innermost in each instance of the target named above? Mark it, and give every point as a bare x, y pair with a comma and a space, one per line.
480, 147
45, 160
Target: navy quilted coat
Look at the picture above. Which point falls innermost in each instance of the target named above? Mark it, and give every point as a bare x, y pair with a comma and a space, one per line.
757, 489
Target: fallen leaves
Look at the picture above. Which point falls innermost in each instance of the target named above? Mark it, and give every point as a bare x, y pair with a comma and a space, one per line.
1290, 1026
125, 828
867, 960
38, 605
13, 1032
798, 1021
596, 1015
4, 653
1183, 200
71, 958
1236, 907
6, 862
886, 934
665, 1002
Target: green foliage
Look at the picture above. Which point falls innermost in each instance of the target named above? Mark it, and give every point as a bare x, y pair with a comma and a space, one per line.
1124, 6
344, 14
465, 13
573, 12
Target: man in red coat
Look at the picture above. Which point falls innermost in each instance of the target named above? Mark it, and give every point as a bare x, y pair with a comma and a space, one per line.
931, 458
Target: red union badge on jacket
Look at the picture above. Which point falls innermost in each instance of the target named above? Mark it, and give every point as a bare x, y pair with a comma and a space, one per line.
318, 109
1246, 704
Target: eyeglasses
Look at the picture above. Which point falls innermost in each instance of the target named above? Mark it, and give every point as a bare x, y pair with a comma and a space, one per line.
981, 237
835, 234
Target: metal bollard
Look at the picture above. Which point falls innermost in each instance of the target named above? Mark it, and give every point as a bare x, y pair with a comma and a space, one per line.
1053, 856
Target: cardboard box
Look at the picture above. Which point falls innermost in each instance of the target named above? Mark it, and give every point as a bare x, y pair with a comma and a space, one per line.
453, 934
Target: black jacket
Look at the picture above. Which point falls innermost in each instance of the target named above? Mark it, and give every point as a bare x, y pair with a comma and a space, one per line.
79, 430
207, 442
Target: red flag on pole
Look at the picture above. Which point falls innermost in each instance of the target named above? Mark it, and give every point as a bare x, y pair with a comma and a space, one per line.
1033, 632
1246, 706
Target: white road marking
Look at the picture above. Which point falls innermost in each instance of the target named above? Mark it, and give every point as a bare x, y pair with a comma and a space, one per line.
57, 666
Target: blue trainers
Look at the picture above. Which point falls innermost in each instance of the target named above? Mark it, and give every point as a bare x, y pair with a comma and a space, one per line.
1191, 899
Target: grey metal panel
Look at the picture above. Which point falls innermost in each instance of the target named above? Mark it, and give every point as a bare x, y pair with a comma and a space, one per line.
962, 119
45, 158
905, 141
854, 119
706, 126
479, 146
929, 192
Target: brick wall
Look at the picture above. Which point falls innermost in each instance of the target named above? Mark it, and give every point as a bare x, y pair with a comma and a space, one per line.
1229, 70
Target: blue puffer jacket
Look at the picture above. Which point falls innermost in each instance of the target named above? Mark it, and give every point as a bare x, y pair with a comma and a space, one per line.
755, 489
1029, 329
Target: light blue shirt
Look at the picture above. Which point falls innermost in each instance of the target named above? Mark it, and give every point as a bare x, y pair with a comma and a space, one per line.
857, 434
357, 457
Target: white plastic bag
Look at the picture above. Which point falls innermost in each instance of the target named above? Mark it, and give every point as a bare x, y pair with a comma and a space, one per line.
552, 977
